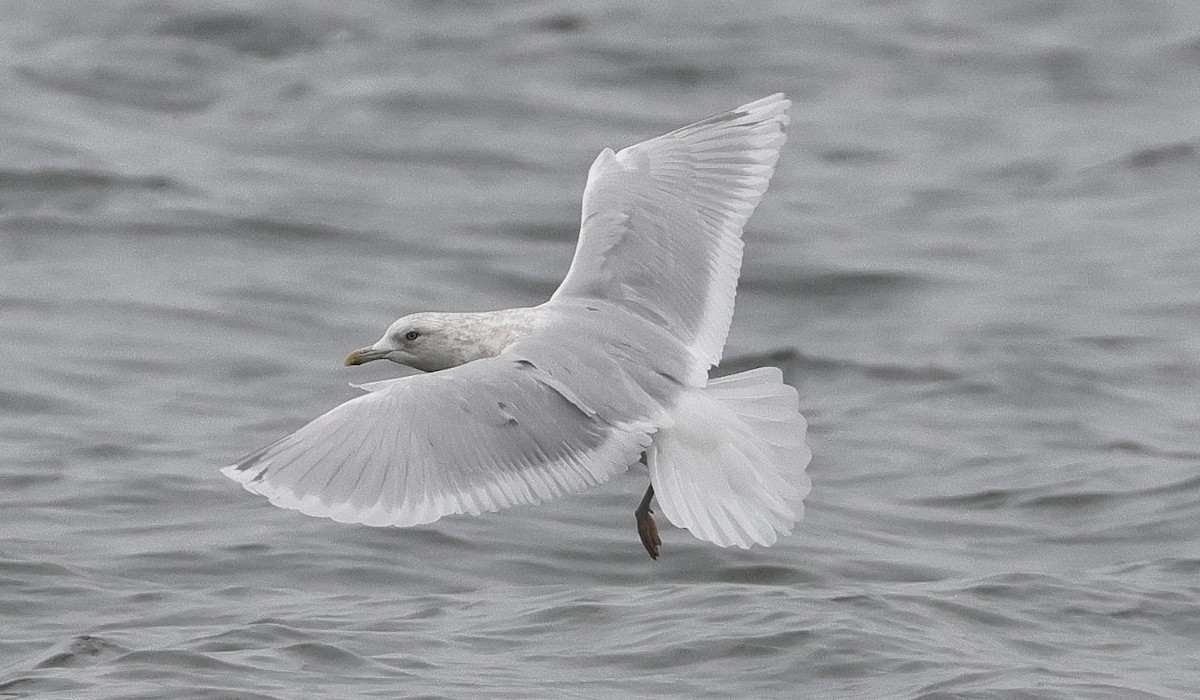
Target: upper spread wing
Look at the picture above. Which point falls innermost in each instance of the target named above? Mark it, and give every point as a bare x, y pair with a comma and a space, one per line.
479, 437
662, 222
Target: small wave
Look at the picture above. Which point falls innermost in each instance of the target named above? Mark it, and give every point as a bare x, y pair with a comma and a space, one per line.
575, 612
1032, 681
290, 230
866, 570
849, 155
1187, 569
1064, 498
437, 102
987, 499
55, 179
1114, 342
107, 452
326, 656
830, 285
475, 159
1156, 156
560, 22
74, 188
973, 613
27, 403
1079, 500
761, 575
83, 650
1023, 176
262, 34
39, 687
1073, 75
1168, 165
21, 569
537, 231
42, 475
176, 659
256, 635
153, 73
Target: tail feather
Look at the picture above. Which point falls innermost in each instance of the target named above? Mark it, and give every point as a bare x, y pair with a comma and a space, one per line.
731, 467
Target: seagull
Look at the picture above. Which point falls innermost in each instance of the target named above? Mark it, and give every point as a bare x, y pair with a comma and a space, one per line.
519, 406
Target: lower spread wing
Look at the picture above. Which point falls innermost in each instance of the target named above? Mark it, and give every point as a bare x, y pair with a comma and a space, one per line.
662, 222
483, 436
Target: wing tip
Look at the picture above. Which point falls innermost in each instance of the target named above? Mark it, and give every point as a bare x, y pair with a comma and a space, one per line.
238, 472
772, 107
603, 160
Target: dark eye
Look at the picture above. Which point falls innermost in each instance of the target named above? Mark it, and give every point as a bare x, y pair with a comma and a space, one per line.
412, 335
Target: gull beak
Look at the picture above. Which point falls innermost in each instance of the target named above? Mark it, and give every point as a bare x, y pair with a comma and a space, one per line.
362, 355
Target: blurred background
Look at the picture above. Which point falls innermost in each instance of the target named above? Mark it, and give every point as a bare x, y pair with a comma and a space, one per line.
978, 263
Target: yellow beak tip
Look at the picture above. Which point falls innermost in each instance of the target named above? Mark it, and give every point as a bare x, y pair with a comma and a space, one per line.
353, 359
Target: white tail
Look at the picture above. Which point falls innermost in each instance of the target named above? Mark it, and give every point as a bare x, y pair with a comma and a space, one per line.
731, 468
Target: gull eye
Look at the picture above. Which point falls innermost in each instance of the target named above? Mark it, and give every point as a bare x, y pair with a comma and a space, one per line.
412, 335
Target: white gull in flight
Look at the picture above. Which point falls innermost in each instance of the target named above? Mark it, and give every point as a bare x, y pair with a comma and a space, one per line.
524, 405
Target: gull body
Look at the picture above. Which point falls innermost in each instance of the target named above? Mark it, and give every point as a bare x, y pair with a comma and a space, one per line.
526, 404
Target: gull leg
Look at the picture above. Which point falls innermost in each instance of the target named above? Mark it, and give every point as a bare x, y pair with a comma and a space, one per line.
647, 530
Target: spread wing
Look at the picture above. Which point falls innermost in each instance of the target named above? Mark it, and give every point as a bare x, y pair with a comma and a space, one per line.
483, 436
662, 222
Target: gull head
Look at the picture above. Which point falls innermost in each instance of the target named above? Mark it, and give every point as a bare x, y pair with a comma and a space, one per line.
433, 341
425, 341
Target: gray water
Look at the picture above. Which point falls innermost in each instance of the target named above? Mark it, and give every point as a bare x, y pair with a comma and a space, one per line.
978, 263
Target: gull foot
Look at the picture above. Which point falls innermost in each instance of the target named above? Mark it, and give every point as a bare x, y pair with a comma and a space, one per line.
648, 531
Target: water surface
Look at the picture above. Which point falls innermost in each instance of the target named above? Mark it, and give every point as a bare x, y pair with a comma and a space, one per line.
978, 263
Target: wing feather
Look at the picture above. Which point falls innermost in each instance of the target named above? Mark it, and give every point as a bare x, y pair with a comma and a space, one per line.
662, 222
480, 437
